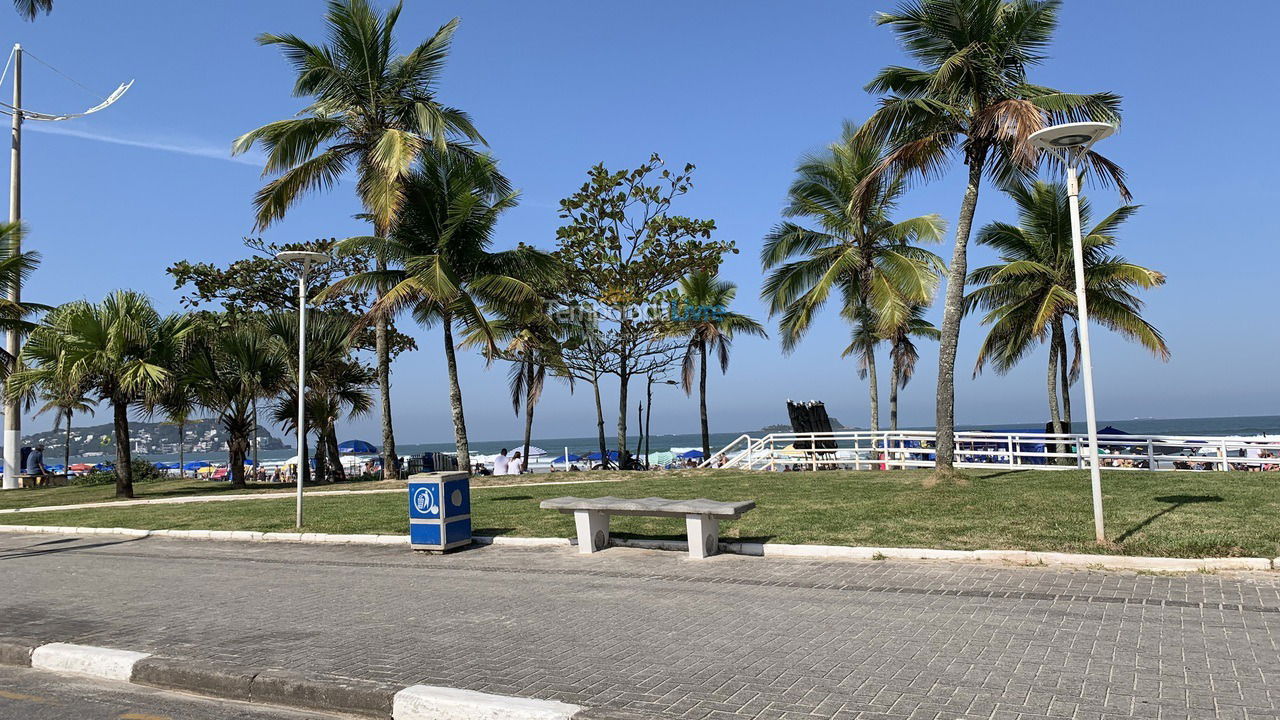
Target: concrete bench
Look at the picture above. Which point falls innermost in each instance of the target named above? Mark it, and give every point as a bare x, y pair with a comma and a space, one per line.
702, 518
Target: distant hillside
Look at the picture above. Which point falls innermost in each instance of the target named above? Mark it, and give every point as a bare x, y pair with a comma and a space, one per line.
784, 428
206, 435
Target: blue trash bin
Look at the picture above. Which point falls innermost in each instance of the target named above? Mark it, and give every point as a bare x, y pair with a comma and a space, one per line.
439, 511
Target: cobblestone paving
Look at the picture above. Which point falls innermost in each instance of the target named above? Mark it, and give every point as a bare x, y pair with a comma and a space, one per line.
649, 634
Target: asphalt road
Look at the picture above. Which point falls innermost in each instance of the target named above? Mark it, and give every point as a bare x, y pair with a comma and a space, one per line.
27, 694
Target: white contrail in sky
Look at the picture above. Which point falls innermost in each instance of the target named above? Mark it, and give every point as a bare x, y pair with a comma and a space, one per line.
194, 150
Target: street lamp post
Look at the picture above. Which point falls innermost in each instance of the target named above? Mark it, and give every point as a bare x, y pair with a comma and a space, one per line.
1069, 143
649, 412
307, 259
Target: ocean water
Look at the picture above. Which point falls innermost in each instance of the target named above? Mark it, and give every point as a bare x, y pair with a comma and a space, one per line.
1255, 425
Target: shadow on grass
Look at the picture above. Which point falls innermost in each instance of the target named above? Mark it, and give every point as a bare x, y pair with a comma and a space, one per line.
1175, 502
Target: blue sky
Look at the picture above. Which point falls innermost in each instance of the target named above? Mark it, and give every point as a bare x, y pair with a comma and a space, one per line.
741, 89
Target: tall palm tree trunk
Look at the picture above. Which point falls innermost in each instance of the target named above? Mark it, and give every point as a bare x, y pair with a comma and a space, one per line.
604, 443
873, 388
383, 353
528, 411
952, 312
331, 441
66, 451
124, 455
1064, 370
702, 399
895, 373
455, 398
1051, 385
238, 449
182, 447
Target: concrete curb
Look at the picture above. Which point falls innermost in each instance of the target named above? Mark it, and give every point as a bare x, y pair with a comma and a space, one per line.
817, 552
286, 688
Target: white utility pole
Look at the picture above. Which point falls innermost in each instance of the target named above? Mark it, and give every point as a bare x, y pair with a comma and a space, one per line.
12, 413
13, 339
306, 258
1069, 143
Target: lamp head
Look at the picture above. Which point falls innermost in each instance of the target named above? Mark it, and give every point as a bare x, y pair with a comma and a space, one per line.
1070, 136
303, 256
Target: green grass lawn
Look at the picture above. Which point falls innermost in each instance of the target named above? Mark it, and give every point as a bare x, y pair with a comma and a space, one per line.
1168, 514
153, 489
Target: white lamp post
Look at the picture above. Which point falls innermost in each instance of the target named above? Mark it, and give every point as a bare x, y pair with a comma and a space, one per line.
1069, 143
306, 258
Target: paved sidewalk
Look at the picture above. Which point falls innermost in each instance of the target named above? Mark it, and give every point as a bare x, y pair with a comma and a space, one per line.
653, 634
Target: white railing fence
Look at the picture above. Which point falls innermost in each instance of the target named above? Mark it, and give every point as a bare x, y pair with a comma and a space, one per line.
866, 450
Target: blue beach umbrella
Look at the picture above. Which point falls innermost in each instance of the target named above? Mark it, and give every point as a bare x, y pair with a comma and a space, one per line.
195, 465
356, 446
613, 455
568, 458
691, 455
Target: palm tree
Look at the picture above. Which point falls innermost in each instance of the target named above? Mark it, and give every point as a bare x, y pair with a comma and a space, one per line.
531, 342
1030, 294
971, 99
373, 112
703, 319
852, 248
903, 354
30, 9
232, 365
121, 349
438, 264
64, 402
337, 383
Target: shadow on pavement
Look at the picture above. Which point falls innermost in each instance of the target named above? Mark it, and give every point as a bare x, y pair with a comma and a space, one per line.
38, 549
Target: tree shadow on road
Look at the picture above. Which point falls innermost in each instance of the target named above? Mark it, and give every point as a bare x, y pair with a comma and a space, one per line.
1175, 502
61, 546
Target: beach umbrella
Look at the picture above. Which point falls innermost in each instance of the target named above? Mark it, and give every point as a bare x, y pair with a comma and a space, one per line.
56, 468
81, 467
691, 455
613, 455
1112, 430
195, 465
568, 458
356, 446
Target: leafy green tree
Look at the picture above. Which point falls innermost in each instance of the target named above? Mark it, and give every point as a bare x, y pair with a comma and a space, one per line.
971, 99
624, 250
232, 365
849, 247
374, 113
121, 349
1030, 293
703, 320
438, 264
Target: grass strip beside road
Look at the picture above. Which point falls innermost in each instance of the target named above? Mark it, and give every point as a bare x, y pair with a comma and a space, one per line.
1154, 514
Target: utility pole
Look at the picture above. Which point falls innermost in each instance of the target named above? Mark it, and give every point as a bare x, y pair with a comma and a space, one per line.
13, 339
12, 414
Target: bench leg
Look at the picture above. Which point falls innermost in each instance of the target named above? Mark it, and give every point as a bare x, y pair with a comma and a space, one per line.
593, 530
704, 535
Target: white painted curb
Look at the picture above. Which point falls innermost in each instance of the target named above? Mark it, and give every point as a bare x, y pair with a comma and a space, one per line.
818, 552
104, 663
427, 702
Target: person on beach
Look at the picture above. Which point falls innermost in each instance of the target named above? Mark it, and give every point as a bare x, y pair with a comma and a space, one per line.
513, 465
501, 463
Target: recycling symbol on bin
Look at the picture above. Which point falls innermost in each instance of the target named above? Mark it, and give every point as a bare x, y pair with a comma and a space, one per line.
424, 501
